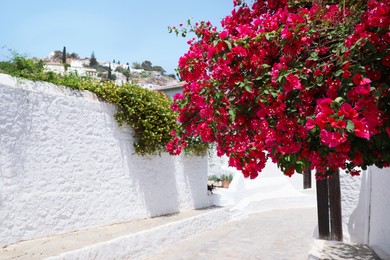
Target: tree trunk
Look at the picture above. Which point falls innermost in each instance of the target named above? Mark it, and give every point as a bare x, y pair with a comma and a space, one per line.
307, 179
335, 206
323, 209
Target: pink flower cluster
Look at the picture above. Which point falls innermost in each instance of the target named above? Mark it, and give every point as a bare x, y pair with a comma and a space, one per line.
303, 84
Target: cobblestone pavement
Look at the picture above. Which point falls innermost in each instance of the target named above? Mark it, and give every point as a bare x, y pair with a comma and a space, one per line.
280, 234
274, 234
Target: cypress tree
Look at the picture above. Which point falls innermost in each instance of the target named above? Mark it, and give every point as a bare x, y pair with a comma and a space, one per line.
64, 55
109, 71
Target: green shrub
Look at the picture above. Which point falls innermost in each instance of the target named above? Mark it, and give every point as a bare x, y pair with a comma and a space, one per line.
214, 178
149, 114
19, 66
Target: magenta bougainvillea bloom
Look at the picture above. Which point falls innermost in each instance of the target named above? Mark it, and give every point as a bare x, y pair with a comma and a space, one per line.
304, 83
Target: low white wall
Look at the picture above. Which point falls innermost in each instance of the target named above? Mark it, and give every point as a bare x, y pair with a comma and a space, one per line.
366, 209
65, 165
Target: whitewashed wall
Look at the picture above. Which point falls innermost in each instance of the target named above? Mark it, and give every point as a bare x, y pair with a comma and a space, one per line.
366, 209
379, 232
355, 207
65, 165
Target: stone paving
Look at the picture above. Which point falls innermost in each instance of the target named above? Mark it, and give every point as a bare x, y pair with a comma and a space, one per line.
274, 234
268, 227
283, 234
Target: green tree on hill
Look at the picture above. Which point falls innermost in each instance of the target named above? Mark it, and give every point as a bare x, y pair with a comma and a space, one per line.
136, 65
73, 55
146, 65
57, 55
93, 62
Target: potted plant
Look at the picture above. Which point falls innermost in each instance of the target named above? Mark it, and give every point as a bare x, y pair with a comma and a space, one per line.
226, 180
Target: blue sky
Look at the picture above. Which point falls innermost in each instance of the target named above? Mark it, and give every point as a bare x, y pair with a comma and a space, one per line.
124, 30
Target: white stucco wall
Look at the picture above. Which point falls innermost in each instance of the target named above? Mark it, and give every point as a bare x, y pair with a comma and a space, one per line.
65, 165
355, 207
366, 209
379, 232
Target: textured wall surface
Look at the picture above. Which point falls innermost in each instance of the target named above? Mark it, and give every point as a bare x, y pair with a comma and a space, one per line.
379, 233
366, 209
66, 165
355, 207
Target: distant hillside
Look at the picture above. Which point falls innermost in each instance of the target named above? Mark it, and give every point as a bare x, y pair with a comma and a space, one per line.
145, 73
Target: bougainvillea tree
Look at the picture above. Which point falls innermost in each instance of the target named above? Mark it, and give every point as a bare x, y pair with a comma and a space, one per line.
305, 83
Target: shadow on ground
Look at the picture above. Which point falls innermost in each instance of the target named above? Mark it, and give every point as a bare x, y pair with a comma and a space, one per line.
336, 250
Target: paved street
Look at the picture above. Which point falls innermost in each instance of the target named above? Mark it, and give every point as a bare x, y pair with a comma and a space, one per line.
274, 234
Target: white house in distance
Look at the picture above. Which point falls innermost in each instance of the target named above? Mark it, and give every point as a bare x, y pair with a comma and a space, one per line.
170, 90
55, 67
114, 66
76, 66
78, 63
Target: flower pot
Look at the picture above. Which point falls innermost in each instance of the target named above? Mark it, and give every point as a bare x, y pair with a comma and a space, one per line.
225, 184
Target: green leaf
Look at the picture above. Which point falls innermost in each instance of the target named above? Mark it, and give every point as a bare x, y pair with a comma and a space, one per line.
338, 73
350, 126
314, 56
229, 44
339, 100
219, 95
232, 114
299, 166
248, 88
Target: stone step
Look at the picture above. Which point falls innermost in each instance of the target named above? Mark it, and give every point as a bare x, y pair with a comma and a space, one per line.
131, 240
